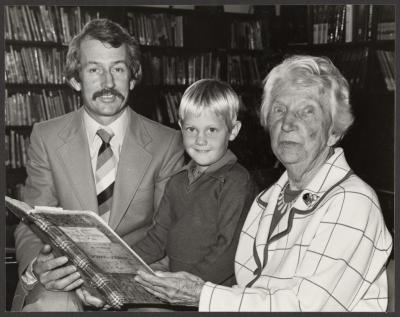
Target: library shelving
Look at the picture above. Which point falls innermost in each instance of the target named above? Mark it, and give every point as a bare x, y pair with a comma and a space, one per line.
178, 47
181, 46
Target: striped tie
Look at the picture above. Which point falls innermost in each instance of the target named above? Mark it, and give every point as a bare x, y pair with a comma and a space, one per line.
105, 175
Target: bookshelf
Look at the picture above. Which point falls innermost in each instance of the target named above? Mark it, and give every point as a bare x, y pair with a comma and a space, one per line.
181, 46
177, 50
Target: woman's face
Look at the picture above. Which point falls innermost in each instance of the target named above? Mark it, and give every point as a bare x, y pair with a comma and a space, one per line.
299, 126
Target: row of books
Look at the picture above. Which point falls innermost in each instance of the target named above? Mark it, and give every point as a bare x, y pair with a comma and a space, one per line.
24, 109
35, 65
185, 70
328, 23
45, 23
343, 23
157, 29
353, 65
180, 70
16, 145
386, 31
167, 110
243, 70
386, 62
246, 35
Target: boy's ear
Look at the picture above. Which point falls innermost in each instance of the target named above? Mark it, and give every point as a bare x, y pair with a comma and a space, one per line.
235, 130
75, 84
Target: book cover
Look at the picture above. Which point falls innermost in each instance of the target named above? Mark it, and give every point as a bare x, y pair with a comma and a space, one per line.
106, 263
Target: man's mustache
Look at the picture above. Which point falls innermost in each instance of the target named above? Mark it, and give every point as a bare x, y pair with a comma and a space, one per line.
107, 91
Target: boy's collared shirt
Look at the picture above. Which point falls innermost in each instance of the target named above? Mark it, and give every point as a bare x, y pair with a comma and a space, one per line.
194, 173
198, 223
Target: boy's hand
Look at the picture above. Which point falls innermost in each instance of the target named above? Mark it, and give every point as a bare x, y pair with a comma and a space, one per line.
161, 265
51, 273
90, 300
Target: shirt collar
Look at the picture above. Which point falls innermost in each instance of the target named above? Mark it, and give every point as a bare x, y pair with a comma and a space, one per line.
228, 158
118, 127
331, 172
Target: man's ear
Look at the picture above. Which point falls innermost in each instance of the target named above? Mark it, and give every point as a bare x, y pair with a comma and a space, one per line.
235, 130
75, 84
132, 83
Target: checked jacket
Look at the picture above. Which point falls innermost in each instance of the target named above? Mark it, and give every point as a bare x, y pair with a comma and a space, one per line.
325, 255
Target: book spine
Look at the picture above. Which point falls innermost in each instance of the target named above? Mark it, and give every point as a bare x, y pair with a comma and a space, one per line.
27, 30
8, 31
371, 14
169, 108
12, 149
18, 156
34, 24
7, 160
349, 23
389, 60
384, 68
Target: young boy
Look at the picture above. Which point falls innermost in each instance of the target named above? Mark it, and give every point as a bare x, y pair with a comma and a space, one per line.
205, 204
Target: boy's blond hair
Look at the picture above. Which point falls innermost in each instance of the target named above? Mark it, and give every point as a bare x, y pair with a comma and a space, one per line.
213, 95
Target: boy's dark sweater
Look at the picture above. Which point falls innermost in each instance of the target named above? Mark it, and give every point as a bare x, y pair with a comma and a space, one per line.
198, 225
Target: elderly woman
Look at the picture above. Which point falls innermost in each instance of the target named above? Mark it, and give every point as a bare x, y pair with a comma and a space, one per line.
316, 240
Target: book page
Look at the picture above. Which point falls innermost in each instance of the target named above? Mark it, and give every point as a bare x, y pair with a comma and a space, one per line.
94, 237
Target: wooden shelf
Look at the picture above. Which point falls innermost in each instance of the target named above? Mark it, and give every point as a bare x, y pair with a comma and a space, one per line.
19, 128
166, 50
36, 44
381, 44
24, 87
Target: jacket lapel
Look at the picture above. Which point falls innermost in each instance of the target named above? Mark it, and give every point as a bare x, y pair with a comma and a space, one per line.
332, 172
75, 157
271, 198
132, 166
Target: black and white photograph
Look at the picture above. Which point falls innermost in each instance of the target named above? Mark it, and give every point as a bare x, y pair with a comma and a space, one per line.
199, 157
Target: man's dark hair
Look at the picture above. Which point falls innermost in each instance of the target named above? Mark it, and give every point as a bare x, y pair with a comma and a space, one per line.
105, 31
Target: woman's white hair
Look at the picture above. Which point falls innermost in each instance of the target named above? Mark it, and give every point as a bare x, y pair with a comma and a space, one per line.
311, 71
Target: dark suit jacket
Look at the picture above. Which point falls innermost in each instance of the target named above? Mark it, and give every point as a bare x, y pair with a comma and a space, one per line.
60, 174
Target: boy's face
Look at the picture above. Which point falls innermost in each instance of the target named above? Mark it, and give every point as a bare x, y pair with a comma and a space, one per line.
206, 137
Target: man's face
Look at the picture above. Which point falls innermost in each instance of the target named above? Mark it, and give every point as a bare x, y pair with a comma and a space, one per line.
105, 80
299, 126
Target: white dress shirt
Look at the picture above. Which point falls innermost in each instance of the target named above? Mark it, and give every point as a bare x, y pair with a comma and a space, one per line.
117, 127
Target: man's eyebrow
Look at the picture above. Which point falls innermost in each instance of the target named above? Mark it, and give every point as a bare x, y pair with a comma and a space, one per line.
99, 63
92, 63
120, 61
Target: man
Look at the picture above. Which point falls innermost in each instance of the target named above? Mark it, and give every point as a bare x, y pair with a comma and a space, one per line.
103, 157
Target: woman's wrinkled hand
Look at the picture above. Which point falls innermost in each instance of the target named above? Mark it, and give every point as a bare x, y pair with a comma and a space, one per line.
180, 288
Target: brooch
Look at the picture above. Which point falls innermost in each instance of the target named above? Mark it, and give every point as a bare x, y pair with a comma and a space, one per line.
310, 198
